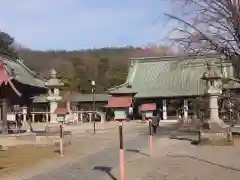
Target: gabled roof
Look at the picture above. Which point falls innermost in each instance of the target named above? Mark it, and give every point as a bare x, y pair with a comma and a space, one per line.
169, 76
20, 72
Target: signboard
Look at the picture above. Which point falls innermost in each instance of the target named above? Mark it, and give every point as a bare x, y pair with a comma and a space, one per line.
11, 117
60, 118
119, 114
149, 114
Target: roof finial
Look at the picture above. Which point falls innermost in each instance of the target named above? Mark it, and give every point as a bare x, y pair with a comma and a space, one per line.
53, 74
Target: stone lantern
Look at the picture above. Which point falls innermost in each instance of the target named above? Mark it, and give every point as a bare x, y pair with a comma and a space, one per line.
213, 90
53, 85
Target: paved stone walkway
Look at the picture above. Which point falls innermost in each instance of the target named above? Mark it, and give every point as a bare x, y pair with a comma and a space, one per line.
179, 160
172, 159
85, 151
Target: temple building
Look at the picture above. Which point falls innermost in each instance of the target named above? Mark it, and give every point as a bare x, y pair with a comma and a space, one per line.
18, 84
163, 80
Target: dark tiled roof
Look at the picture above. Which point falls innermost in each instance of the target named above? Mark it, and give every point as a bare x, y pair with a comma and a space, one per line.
76, 97
89, 97
21, 73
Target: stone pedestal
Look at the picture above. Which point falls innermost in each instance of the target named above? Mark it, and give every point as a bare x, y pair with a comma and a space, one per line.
26, 124
103, 117
164, 109
24, 112
185, 110
53, 107
213, 108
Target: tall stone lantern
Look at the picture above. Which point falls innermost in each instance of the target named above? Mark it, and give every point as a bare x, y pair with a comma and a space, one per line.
213, 90
53, 85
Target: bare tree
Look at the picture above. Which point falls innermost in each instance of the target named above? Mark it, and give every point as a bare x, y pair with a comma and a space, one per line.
207, 25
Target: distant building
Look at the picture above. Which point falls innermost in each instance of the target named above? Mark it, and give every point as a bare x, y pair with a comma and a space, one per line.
79, 101
76, 101
163, 80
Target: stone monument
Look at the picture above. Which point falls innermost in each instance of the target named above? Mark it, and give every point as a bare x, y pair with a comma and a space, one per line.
214, 84
53, 85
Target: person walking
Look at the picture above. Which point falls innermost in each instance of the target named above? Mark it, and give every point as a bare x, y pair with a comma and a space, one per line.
155, 123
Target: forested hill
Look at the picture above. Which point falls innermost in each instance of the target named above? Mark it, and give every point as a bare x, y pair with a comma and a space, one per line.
107, 66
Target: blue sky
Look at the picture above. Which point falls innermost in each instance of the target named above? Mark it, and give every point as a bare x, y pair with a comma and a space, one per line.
81, 24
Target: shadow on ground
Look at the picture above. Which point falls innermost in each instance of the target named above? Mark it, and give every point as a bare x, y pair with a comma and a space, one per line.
137, 152
164, 131
171, 131
89, 131
105, 169
191, 139
205, 161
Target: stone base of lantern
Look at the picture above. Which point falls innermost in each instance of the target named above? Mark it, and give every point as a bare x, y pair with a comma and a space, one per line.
214, 140
215, 133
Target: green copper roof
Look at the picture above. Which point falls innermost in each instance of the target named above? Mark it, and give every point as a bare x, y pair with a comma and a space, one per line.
22, 73
168, 76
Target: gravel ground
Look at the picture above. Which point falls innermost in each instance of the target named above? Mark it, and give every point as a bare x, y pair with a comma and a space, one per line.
86, 151
186, 162
179, 160
94, 166
172, 159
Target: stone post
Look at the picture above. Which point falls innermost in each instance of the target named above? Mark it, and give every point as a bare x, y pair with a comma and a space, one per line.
103, 117
90, 117
68, 104
164, 109
46, 117
185, 106
24, 112
33, 118
81, 117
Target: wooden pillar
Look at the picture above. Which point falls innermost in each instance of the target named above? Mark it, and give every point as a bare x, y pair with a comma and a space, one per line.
90, 117
4, 116
164, 109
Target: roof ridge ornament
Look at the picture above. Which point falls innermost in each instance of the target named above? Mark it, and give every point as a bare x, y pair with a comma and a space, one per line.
53, 74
